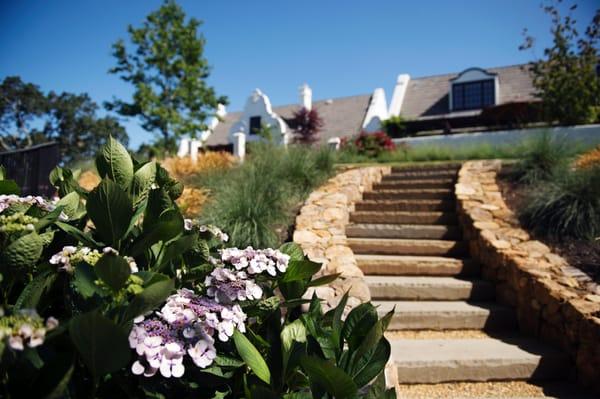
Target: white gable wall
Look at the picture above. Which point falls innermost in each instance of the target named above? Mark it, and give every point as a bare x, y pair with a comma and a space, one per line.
258, 104
377, 111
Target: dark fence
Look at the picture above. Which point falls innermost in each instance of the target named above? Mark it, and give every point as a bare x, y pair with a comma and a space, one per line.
31, 167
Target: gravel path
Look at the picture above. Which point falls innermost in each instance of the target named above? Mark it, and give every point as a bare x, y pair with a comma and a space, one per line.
508, 389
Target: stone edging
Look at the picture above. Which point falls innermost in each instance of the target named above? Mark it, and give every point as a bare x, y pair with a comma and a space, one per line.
551, 305
321, 232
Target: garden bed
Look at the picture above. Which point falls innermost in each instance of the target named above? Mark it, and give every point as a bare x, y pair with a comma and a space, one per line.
581, 254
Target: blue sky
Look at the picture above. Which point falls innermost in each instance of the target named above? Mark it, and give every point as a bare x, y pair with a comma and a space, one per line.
338, 47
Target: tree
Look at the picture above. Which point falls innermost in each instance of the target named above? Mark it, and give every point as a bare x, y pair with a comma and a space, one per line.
28, 117
168, 72
566, 78
73, 123
21, 104
306, 124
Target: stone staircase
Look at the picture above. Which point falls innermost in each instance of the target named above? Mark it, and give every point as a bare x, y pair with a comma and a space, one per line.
405, 237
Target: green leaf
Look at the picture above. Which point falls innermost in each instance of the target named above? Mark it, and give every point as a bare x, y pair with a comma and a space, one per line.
291, 333
293, 250
358, 323
79, 235
377, 389
176, 248
149, 299
367, 367
143, 179
113, 270
48, 219
84, 280
23, 253
115, 163
8, 187
69, 204
324, 280
2, 172
110, 208
170, 224
103, 345
336, 333
251, 356
63, 180
31, 294
331, 378
300, 270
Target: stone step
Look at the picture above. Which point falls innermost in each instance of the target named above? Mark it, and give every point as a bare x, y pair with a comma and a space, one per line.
429, 288
425, 183
404, 217
421, 174
441, 360
418, 193
448, 315
416, 265
401, 246
414, 205
429, 231
427, 167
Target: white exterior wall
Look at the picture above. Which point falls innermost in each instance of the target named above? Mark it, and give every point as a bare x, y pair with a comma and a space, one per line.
587, 134
258, 104
398, 95
377, 111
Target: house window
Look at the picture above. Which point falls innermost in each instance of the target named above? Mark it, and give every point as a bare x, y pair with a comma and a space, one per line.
254, 124
473, 95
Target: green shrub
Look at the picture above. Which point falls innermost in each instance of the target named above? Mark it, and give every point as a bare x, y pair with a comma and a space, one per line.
567, 205
256, 202
542, 156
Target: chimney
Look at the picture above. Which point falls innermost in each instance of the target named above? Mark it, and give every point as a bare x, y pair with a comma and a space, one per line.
306, 96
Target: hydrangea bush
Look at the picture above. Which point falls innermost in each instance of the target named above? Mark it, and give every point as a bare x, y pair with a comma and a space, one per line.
112, 293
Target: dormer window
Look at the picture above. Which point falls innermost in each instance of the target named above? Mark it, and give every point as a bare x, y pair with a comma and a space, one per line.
474, 88
473, 95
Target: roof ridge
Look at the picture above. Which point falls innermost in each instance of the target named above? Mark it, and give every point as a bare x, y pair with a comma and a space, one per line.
457, 73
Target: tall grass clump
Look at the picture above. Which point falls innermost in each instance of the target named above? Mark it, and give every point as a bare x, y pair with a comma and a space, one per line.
256, 202
542, 156
567, 205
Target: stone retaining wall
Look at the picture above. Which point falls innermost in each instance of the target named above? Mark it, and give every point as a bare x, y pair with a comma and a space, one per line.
551, 304
320, 231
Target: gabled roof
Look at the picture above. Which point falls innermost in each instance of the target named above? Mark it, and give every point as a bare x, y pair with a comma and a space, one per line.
427, 97
341, 117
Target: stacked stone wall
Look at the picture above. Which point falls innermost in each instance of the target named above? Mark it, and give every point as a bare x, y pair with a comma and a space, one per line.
320, 231
551, 303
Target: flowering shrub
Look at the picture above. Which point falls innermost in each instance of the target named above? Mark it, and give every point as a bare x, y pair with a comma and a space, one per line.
180, 168
589, 159
370, 144
191, 201
112, 293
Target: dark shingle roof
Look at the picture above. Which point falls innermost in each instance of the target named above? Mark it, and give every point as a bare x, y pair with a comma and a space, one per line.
428, 96
341, 117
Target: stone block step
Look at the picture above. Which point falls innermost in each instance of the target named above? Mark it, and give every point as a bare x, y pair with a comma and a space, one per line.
427, 167
448, 315
441, 360
421, 174
401, 246
412, 193
429, 288
425, 183
415, 205
404, 217
428, 231
416, 265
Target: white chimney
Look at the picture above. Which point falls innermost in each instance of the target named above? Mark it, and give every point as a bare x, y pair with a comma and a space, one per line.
306, 96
